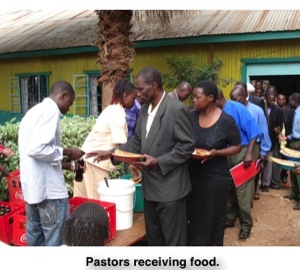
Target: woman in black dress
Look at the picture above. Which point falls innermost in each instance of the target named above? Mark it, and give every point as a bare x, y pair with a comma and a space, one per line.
216, 131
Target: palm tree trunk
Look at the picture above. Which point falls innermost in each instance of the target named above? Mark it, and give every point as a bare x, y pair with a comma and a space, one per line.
116, 50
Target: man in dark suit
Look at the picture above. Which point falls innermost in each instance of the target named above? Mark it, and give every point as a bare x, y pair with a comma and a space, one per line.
271, 175
182, 91
288, 115
164, 134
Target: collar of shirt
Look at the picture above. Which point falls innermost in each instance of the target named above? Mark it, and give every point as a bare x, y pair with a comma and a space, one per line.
137, 104
151, 114
175, 91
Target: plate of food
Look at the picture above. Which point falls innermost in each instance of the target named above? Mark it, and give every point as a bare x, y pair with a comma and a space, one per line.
291, 154
285, 164
200, 153
128, 157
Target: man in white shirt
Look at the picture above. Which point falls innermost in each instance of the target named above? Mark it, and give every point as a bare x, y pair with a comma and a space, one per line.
41, 167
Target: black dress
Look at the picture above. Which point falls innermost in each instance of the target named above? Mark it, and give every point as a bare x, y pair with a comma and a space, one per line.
210, 181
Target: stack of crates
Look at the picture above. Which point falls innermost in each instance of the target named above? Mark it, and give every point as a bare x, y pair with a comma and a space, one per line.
16, 204
7, 220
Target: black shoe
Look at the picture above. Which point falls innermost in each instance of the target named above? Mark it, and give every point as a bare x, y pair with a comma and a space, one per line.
265, 189
244, 233
297, 206
229, 226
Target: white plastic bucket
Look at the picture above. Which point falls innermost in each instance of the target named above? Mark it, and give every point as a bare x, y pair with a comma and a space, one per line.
121, 193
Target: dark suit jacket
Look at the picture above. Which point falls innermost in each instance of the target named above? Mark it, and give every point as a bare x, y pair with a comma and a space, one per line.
275, 120
288, 116
171, 142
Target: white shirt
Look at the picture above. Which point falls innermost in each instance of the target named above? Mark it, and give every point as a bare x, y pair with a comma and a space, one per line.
151, 114
41, 153
109, 131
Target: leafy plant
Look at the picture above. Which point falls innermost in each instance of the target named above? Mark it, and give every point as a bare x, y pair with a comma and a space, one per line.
192, 70
9, 138
74, 130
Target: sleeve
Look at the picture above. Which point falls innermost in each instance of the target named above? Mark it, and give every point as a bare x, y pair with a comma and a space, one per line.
43, 142
249, 125
265, 141
118, 127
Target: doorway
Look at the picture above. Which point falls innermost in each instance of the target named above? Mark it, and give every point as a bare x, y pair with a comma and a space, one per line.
285, 84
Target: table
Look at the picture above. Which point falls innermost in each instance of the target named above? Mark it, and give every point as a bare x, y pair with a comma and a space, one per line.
133, 234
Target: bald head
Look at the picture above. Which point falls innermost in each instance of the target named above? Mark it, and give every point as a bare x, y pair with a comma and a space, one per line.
239, 94
183, 90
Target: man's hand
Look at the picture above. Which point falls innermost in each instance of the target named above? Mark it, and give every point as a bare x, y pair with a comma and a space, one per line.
99, 155
247, 160
73, 153
149, 163
264, 161
297, 170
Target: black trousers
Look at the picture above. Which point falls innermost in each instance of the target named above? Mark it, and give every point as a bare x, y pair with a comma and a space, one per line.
166, 223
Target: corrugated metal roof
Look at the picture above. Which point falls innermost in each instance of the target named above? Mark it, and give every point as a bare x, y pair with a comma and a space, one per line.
219, 22
41, 30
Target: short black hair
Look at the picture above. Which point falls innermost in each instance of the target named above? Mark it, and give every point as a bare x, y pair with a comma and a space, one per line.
61, 87
209, 88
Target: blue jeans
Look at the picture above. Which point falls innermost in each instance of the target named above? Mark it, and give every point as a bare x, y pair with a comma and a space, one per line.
44, 221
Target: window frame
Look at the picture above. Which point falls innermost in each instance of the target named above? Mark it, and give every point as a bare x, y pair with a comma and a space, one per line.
20, 76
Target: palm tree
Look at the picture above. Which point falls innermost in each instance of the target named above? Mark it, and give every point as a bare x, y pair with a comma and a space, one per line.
116, 50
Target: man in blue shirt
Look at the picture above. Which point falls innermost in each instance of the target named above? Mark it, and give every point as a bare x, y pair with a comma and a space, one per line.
239, 199
263, 142
132, 115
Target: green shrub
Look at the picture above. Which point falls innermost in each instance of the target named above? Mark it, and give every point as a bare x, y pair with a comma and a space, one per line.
9, 138
74, 131
191, 69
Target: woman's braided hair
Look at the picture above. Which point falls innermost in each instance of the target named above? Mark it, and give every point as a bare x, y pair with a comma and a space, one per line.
121, 87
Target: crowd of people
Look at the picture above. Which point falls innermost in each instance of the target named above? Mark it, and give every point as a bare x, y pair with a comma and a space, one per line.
187, 202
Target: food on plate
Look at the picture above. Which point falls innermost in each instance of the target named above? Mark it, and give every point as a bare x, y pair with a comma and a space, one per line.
284, 164
291, 152
127, 156
201, 153
121, 153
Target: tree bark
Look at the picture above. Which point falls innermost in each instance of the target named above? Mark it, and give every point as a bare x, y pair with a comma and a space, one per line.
116, 50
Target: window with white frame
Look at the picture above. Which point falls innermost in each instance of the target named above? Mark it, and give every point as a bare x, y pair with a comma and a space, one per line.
88, 94
33, 88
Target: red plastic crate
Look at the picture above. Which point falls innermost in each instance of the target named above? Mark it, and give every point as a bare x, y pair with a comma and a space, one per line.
19, 228
14, 187
6, 221
109, 207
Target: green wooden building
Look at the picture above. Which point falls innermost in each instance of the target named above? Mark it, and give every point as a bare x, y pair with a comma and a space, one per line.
38, 48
